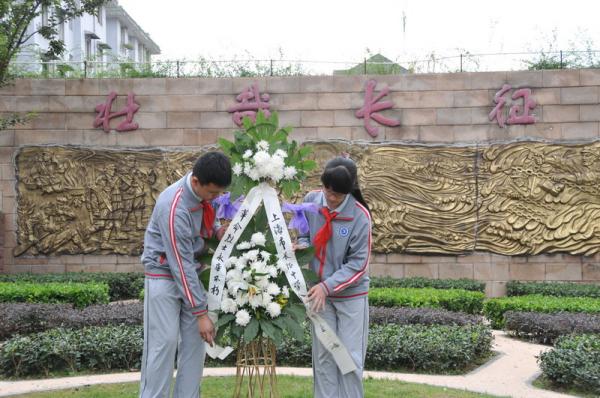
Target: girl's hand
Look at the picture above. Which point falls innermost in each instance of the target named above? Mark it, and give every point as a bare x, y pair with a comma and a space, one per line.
316, 297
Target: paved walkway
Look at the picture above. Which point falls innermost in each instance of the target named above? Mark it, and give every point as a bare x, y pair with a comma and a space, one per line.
509, 374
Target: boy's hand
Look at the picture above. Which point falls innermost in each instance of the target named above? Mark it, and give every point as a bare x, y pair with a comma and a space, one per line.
206, 329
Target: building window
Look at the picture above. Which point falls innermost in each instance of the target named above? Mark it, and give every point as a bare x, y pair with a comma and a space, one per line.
123, 40
100, 14
88, 47
45, 15
140, 53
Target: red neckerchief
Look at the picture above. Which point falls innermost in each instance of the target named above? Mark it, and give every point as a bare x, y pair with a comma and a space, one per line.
208, 217
323, 236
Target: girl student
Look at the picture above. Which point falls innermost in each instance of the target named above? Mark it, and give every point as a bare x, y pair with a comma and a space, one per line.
341, 235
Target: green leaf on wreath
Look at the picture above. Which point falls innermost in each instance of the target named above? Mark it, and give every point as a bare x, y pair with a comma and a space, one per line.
224, 320
297, 311
270, 330
251, 330
310, 276
226, 145
296, 329
309, 165
204, 276
305, 255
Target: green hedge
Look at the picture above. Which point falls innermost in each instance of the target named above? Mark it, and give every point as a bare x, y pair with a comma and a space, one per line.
574, 362
452, 299
58, 350
121, 285
391, 347
78, 294
494, 309
418, 282
516, 288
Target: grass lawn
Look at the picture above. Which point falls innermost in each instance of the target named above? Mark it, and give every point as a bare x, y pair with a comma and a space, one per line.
289, 387
545, 384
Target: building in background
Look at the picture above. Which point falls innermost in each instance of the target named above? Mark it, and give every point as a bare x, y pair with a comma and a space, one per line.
110, 36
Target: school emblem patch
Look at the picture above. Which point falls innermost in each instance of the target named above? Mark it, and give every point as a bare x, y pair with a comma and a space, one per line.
344, 231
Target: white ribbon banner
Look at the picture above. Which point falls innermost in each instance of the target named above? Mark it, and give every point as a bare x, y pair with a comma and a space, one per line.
265, 193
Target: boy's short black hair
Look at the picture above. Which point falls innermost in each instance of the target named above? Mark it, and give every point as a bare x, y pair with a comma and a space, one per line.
213, 167
338, 179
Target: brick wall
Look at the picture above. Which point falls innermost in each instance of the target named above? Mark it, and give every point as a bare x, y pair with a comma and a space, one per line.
432, 108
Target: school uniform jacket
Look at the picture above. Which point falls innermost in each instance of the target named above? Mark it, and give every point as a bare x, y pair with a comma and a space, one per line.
344, 273
172, 241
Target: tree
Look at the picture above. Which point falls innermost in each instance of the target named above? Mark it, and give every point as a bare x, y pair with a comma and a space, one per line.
17, 15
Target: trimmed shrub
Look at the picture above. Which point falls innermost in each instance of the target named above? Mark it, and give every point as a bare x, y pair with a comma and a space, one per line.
494, 309
78, 294
24, 318
418, 282
574, 362
420, 316
93, 348
431, 348
546, 328
121, 285
452, 299
439, 348
516, 288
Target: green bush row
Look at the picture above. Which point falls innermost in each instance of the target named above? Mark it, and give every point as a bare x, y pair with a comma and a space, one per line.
451, 299
121, 285
574, 362
516, 288
418, 282
57, 350
446, 348
494, 309
78, 294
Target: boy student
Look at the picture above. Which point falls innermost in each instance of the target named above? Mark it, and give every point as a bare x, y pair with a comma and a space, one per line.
175, 308
341, 235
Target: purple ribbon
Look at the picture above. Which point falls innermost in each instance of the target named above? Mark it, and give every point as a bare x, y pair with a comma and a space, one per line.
299, 220
227, 209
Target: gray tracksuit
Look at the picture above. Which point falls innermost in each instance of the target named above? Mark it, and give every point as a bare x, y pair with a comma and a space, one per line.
344, 277
174, 296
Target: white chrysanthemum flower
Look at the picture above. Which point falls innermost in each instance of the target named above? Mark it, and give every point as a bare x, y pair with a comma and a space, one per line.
272, 270
247, 275
262, 282
276, 168
289, 172
258, 239
262, 145
233, 274
242, 317
281, 153
251, 255
285, 291
240, 264
273, 289
248, 154
265, 254
281, 265
237, 169
241, 298
228, 306
273, 309
255, 300
253, 174
231, 262
266, 300
244, 246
